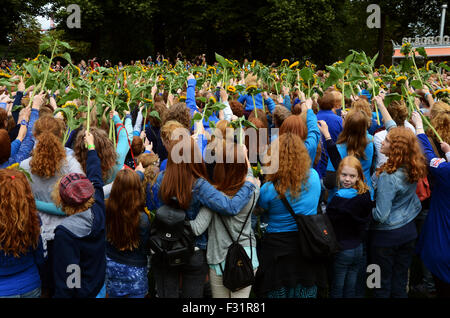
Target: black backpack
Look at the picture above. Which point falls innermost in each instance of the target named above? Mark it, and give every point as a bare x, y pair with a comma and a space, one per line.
171, 237
238, 272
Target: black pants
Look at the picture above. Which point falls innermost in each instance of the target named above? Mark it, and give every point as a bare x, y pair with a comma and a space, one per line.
442, 288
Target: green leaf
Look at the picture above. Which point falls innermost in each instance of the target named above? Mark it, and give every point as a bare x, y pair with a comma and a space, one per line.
348, 59
43, 46
416, 84
307, 74
197, 117
422, 52
155, 114
65, 44
389, 98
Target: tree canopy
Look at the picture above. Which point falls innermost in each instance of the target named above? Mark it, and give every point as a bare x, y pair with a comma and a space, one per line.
266, 30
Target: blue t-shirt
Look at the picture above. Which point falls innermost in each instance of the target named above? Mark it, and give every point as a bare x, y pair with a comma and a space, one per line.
278, 217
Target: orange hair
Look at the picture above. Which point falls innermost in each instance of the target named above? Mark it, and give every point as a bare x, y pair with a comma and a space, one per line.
353, 162
294, 164
404, 151
19, 221
354, 133
123, 209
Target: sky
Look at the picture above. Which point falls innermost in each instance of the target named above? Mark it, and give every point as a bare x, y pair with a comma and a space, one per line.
44, 21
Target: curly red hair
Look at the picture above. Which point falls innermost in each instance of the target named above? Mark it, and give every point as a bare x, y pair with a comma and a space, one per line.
19, 221
294, 164
404, 151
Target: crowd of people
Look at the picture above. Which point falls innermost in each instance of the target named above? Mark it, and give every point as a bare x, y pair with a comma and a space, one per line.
86, 207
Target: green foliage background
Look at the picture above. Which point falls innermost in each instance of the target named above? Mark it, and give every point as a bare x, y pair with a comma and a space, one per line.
266, 30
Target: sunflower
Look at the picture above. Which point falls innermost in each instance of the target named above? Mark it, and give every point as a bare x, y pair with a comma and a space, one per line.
68, 104
231, 89
166, 61
294, 64
182, 98
285, 61
428, 64
211, 68
307, 63
253, 63
78, 69
148, 100
212, 99
128, 94
36, 58
401, 78
2, 74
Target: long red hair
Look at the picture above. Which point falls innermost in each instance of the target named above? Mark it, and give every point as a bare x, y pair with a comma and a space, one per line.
229, 177
19, 221
184, 166
123, 209
354, 133
404, 151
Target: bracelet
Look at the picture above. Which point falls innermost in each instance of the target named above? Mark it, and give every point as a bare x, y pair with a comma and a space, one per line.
23, 122
91, 147
417, 128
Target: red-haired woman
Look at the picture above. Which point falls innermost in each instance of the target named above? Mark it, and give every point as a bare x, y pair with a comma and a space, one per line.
229, 177
49, 161
184, 185
127, 231
283, 272
21, 247
394, 232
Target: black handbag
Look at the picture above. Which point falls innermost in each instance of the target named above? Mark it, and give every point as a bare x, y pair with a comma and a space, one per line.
316, 236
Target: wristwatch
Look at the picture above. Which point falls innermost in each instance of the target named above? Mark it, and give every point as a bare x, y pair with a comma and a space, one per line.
24, 122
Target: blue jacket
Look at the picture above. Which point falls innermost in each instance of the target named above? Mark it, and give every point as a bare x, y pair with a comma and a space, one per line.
192, 105
433, 244
397, 203
20, 275
335, 127
204, 194
22, 150
249, 105
81, 239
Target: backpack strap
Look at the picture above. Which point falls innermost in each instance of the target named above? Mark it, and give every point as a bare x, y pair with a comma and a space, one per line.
287, 205
243, 225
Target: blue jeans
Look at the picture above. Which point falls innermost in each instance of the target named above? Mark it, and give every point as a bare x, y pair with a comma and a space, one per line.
35, 293
394, 263
345, 272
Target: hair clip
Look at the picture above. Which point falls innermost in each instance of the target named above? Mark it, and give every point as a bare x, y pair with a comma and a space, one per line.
13, 177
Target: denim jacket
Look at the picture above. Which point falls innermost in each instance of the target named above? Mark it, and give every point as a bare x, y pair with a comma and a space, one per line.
397, 203
205, 194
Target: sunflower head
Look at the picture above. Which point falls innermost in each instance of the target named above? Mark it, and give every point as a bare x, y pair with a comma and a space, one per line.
294, 64
69, 104
429, 64
231, 89
127, 91
212, 100
182, 98
253, 63
285, 62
